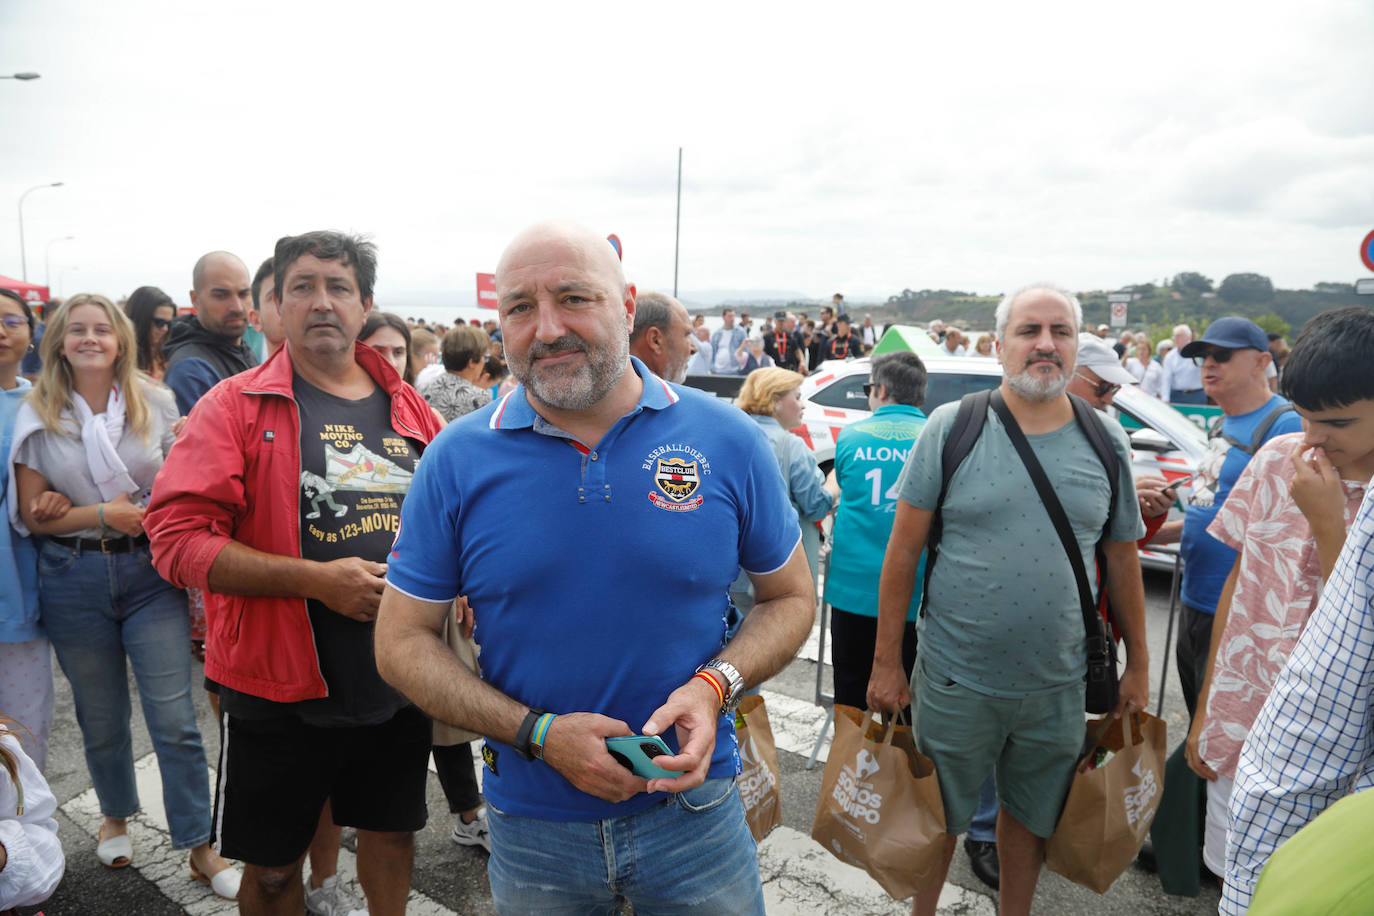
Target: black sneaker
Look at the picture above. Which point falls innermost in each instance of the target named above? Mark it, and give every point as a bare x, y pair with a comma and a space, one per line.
982, 858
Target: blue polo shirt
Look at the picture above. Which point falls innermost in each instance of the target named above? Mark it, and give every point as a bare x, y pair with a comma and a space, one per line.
598, 574
869, 457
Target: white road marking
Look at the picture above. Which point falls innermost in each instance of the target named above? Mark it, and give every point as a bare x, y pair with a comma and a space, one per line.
800, 878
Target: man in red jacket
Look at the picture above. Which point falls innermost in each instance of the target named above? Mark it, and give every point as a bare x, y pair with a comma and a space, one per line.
282, 496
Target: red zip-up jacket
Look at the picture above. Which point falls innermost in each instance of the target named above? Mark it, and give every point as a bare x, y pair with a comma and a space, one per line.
234, 474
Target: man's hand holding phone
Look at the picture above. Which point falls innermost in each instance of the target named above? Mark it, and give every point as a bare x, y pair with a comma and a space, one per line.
576, 747
694, 710
1157, 495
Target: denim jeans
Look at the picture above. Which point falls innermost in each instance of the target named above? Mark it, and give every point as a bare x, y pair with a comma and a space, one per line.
99, 609
984, 826
690, 853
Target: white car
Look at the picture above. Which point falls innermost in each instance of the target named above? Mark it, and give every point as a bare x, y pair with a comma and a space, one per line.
1164, 443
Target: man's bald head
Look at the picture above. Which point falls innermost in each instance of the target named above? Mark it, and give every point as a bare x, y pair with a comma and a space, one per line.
222, 293
573, 246
212, 258
561, 292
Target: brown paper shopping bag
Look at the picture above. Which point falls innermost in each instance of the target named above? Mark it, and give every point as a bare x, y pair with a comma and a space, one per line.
758, 777
1111, 803
880, 806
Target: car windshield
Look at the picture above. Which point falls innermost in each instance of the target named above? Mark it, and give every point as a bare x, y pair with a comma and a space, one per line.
1154, 413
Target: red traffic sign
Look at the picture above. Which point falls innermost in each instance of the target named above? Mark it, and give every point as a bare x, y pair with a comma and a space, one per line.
1367, 251
486, 291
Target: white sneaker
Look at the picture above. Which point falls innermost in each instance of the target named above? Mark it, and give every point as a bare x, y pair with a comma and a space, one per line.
474, 833
331, 899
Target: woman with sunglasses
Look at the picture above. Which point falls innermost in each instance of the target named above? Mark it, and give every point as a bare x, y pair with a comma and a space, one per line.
151, 310
97, 431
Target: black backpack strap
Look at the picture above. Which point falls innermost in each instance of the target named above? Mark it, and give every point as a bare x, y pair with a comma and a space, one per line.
967, 427
1091, 622
1262, 431
1091, 423
1261, 434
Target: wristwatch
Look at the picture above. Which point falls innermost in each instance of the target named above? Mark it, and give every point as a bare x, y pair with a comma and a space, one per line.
734, 684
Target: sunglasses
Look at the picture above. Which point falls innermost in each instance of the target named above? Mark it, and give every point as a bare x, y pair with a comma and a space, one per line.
1103, 389
1220, 354
161, 323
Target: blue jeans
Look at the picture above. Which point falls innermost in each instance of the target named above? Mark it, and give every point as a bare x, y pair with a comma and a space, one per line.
99, 609
690, 853
984, 826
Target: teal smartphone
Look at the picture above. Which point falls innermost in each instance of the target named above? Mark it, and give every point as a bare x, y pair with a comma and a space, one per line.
636, 753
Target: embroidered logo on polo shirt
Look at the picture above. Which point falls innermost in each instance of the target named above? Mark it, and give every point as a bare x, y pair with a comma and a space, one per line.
489, 758
679, 472
677, 480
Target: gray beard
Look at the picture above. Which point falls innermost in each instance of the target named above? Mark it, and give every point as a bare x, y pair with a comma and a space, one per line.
1038, 389
587, 385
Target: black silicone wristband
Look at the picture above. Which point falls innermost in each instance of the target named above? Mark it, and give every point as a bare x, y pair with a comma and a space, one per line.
522, 734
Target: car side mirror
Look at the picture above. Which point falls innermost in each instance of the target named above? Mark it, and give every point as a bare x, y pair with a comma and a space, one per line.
1150, 440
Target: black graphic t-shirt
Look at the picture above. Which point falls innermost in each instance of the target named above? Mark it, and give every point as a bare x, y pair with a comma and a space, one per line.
355, 471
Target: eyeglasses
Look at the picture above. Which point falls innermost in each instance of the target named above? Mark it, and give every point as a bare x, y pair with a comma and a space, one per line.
1220, 354
161, 323
14, 322
1103, 389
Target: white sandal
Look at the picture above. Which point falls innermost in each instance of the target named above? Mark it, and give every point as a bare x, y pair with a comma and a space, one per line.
116, 852
225, 882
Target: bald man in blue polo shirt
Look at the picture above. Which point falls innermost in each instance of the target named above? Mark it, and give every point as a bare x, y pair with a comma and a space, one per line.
594, 519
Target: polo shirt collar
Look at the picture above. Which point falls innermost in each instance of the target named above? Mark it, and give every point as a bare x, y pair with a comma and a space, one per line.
900, 408
514, 410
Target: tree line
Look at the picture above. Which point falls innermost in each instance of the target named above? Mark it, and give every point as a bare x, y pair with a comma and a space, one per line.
1188, 298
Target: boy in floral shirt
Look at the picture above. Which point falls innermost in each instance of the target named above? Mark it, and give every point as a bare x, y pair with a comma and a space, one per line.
1286, 518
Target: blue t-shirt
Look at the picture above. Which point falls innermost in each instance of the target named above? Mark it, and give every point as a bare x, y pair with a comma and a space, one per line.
869, 456
1206, 561
598, 575
18, 556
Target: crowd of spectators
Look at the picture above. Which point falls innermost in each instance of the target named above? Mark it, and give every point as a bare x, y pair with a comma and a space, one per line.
174, 492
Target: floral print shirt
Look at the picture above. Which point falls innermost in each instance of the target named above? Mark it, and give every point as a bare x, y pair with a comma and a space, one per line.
1276, 590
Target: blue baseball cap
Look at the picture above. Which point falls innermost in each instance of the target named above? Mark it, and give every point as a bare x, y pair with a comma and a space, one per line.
1229, 333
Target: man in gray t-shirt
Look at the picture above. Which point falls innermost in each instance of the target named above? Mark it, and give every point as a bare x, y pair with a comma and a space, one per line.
999, 676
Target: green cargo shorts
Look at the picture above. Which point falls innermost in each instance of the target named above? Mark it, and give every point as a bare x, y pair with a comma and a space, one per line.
1032, 741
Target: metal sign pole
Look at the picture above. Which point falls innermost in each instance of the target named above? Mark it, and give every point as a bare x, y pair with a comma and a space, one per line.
677, 229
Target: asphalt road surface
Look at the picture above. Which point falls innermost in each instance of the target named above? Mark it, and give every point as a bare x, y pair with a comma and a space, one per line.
800, 877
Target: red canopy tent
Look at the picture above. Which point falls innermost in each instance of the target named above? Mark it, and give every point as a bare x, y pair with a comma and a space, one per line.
31, 293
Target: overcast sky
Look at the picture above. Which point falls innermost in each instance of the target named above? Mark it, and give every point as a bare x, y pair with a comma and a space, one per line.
969, 146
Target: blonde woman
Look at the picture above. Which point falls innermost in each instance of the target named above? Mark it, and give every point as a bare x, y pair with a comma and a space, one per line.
773, 398
96, 430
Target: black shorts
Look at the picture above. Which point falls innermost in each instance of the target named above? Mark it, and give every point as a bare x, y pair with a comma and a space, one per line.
275, 775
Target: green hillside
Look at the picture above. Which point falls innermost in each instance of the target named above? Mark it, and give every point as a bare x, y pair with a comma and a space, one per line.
1188, 299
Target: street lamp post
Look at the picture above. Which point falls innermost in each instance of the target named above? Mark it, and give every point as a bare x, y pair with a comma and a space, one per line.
23, 256
47, 274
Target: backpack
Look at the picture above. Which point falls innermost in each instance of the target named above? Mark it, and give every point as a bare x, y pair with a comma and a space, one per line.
968, 426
